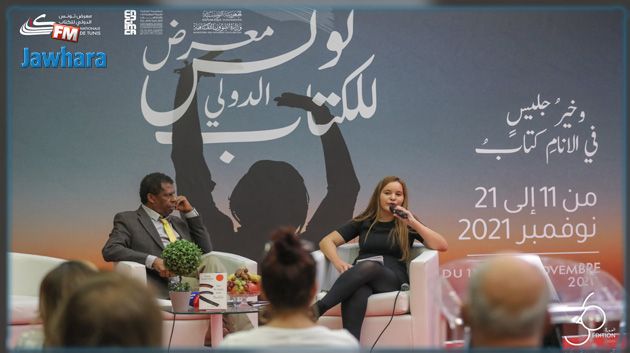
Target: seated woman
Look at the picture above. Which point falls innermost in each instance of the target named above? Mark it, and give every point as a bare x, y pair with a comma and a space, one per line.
386, 231
56, 286
288, 282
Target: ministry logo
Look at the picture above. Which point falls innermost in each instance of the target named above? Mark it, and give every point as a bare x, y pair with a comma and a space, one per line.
36, 27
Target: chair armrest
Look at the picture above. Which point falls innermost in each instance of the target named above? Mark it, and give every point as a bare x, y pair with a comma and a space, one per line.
424, 278
327, 274
348, 252
321, 264
132, 269
26, 272
231, 262
425, 295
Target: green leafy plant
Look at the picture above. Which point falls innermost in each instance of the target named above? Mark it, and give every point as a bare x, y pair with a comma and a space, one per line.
182, 257
179, 286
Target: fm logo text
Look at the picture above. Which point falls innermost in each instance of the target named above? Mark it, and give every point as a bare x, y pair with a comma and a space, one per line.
65, 32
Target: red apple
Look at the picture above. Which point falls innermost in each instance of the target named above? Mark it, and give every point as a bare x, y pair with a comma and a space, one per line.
252, 287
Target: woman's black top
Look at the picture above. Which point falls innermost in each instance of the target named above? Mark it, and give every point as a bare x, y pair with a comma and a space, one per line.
379, 242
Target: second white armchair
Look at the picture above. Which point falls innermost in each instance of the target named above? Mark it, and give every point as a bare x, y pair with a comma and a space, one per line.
416, 317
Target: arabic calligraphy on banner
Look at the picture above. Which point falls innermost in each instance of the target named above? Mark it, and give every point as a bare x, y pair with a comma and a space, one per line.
261, 94
562, 131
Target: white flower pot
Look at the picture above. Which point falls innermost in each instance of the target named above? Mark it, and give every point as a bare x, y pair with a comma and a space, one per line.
180, 300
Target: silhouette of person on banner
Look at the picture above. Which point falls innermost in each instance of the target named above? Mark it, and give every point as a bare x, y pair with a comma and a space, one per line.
254, 202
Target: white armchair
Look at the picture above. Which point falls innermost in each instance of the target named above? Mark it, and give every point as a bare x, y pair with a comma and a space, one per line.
26, 272
416, 318
188, 330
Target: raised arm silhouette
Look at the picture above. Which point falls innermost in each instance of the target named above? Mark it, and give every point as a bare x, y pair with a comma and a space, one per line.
255, 202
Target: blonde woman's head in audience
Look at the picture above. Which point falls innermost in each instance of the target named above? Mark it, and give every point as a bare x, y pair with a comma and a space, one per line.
58, 284
109, 310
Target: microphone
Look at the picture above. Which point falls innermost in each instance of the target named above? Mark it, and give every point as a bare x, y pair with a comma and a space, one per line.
400, 213
404, 287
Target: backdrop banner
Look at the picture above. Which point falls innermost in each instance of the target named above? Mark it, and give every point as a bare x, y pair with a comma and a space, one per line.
507, 124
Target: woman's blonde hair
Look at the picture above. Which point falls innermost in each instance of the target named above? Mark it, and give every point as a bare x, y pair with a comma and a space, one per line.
59, 284
107, 310
399, 235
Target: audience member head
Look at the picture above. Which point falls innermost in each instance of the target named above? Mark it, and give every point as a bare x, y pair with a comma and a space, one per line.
288, 273
158, 193
507, 303
58, 284
108, 310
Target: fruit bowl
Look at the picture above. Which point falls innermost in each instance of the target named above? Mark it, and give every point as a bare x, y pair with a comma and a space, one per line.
242, 284
240, 299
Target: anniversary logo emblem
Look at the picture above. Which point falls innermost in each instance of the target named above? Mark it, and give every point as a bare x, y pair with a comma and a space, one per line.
585, 322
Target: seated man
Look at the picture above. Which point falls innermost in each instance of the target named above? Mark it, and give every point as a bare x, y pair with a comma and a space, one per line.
507, 304
141, 235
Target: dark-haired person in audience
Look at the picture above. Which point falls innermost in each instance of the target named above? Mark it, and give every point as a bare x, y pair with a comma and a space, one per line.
141, 235
507, 304
288, 282
56, 286
109, 310
381, 233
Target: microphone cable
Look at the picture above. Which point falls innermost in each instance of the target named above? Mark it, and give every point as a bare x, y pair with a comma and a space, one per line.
172, 330
403, 287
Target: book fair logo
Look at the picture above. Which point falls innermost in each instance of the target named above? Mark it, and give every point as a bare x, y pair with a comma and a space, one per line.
59, 31
66, 26
37, 26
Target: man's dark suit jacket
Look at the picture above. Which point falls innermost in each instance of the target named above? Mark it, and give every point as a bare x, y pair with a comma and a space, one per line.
134, 237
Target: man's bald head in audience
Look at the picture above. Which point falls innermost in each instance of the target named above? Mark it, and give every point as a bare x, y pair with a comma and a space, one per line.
507, 303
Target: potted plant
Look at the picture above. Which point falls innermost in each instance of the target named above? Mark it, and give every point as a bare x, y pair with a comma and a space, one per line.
183, 258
